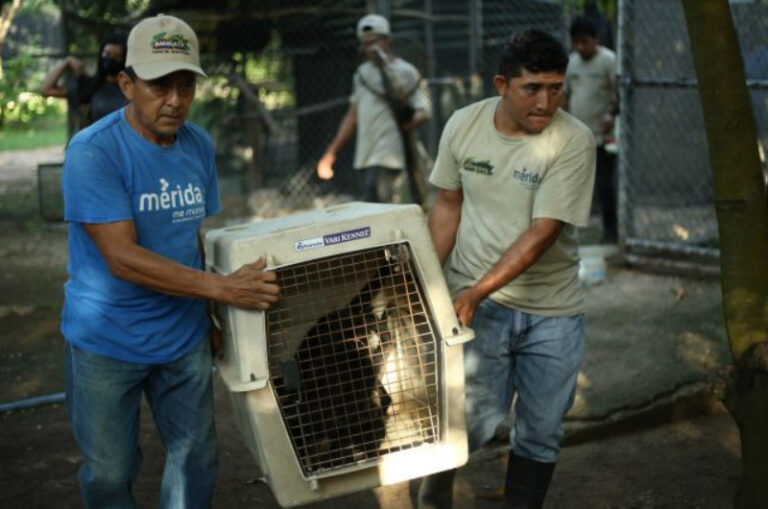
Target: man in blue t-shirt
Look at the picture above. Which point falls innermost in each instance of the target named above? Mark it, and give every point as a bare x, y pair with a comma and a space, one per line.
137, 185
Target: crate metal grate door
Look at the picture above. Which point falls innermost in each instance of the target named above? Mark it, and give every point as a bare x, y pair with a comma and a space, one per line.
352, 359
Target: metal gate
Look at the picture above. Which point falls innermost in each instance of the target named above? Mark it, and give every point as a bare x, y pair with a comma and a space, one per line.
665, 192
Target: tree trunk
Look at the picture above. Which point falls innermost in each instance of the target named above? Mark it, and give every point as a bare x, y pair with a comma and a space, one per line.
742, 216
7, 13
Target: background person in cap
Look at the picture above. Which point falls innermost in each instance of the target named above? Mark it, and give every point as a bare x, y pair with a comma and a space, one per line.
137, 185
515, 176
379, 147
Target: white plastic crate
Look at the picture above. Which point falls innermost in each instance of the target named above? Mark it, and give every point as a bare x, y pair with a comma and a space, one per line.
355, 378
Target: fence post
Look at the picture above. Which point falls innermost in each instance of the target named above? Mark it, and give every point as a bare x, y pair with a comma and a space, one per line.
383, 7
429, 43
624, 72
475, 35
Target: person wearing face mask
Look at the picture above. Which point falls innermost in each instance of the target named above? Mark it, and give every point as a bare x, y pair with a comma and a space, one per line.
379, 146
100, 93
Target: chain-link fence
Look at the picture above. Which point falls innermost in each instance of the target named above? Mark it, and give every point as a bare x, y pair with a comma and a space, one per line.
666, 179
20, 196
287, 73
280, 76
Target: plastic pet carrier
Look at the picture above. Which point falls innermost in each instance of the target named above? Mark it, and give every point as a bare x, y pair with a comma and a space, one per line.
355, 379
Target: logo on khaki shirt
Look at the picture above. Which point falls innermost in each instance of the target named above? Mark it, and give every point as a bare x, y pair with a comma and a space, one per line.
479, 167
529, 180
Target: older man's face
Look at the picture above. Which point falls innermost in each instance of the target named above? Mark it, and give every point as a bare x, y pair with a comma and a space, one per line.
159, 107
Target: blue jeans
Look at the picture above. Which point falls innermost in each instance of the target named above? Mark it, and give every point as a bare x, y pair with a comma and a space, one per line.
382, 185
103, 401
537, 357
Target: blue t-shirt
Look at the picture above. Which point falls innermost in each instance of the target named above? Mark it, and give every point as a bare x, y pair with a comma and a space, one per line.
113, 174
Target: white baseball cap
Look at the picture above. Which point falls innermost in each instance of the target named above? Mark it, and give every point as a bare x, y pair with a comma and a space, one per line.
161, 45
372, 24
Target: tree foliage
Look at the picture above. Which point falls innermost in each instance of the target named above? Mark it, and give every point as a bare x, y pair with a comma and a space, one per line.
103, 12
8, 10
19, 105
20, 69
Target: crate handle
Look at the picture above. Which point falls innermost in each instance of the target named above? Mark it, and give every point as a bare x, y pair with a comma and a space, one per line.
254, 384
231, 380
460, 336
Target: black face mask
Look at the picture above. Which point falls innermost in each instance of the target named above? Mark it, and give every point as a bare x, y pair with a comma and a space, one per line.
110, 66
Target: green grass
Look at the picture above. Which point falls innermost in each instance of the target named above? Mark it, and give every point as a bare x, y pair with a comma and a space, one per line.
46, 135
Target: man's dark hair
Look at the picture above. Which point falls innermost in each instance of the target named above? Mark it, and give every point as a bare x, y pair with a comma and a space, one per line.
92, 85
583, 26
116, 38
532, 50
131, 73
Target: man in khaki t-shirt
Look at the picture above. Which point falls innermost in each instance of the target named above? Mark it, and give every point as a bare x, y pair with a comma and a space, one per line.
379, 149
591, 92
515, 177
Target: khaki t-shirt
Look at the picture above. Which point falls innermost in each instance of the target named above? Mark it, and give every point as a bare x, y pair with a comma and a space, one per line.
506, 183
378, 139
591, 88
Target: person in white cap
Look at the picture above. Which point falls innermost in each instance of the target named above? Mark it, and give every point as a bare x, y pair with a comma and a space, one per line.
137, 185
379, 149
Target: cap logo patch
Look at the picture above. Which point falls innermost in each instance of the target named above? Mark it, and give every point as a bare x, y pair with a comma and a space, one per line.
163, 43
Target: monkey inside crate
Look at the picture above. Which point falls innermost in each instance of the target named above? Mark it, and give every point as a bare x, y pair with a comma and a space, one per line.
357, 378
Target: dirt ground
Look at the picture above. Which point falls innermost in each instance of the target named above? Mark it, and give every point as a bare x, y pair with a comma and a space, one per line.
691, 462
687, 461
688, 464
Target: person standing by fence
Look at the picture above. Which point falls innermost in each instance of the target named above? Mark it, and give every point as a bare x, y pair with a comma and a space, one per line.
592, 96
99, 94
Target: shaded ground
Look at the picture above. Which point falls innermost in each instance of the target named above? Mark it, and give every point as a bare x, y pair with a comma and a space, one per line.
693, 463
688, 463
636, 439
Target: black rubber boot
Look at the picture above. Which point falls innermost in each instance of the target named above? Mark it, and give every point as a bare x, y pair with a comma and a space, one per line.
436, 491
527, 482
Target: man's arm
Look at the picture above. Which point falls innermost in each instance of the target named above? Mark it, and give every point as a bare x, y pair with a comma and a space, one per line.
418, 118
523, 252
444, 218
50, 86
419, 100
249, 287
614, 80
343, 134
609, 119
